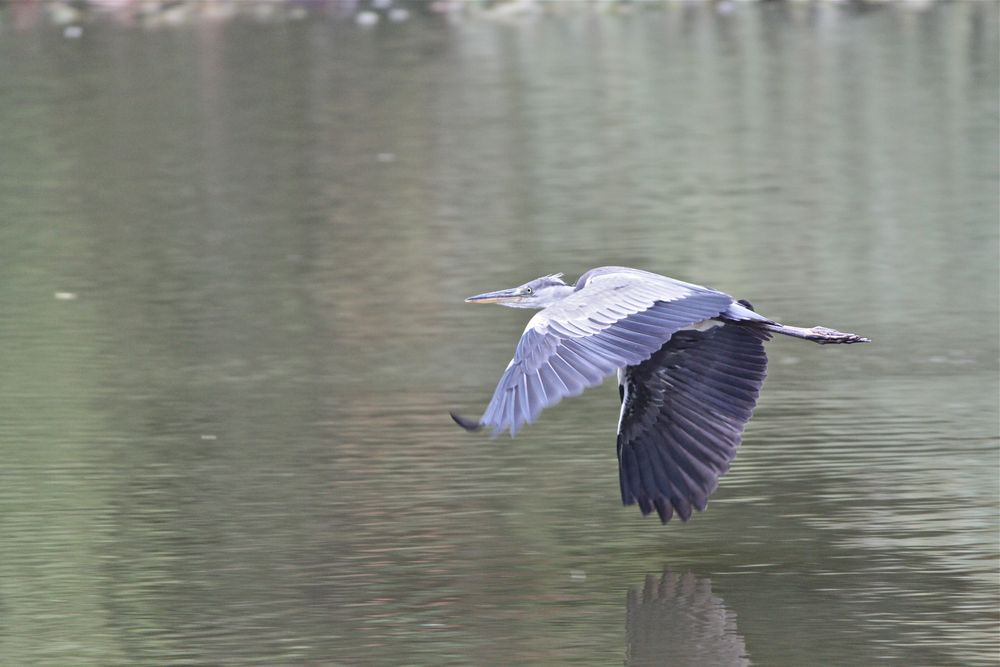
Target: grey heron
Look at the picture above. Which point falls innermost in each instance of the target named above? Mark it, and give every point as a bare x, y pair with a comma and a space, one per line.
690, 362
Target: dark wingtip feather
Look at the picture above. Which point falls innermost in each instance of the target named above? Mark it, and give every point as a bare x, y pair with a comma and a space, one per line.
664, 509
467, 424
683, 508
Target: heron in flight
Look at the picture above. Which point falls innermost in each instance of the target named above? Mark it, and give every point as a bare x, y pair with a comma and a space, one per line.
690, 362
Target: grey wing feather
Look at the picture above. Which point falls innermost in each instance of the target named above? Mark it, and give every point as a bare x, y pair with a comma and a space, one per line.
683, 415
616, 317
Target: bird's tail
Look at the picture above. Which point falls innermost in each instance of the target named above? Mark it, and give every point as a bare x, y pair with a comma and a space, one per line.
821, 335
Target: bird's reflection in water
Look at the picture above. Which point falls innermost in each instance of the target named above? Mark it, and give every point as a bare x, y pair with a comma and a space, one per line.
676, 620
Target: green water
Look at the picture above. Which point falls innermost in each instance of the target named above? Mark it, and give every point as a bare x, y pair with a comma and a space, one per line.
232, 263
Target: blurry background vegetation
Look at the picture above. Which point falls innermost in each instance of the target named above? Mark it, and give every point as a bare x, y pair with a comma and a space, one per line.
153, 13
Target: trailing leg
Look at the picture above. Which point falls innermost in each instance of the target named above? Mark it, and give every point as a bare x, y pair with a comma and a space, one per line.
821, 335
742, 312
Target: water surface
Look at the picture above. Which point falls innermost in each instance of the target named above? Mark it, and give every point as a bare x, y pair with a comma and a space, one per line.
232, 263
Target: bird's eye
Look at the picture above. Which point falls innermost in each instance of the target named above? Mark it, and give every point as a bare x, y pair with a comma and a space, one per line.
528, 290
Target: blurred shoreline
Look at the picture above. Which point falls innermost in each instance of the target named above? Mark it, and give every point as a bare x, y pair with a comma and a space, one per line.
26, 14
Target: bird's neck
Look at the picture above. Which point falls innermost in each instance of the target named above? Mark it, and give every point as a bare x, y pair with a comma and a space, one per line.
560, 292
564, 290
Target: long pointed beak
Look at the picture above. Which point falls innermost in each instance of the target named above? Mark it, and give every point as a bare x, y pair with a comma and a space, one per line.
496, 297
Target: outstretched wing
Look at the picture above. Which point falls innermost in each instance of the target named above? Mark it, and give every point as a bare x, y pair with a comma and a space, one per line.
616, 317
683, 415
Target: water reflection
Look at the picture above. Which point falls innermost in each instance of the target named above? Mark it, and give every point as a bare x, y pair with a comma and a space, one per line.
676, 620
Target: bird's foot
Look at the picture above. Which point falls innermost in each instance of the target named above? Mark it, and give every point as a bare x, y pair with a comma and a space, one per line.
825, 336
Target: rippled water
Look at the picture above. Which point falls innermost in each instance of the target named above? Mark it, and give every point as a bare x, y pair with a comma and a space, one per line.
232, 264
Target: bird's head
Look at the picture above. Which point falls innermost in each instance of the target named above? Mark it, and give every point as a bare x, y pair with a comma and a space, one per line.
538, 293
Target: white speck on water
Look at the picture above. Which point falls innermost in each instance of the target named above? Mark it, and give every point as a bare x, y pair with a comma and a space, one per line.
398, 14
386, 157
366, 19
577, 575
789, 361
63, 14
209, 436
65, 296
73, 32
